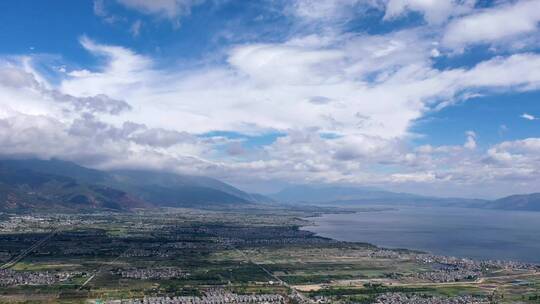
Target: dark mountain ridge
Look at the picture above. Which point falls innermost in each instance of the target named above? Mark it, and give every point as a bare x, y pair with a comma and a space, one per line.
22, 188
41, 184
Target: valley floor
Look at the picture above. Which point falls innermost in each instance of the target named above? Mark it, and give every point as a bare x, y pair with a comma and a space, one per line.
234, 256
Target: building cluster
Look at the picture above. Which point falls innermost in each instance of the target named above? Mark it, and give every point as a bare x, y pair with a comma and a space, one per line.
444, 276
509, 265
161, 273
222, 298
191, 245
400, 298
385, 254
78, 251
279, 241
140, 253
11, 278
475, 265
452, 269
256, 232
26, 223
44, 223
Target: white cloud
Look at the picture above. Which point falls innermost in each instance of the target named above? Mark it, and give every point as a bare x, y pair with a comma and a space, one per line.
345, 103
520, 70
101, 11
420, 177
135, 28
339, 11
169, 9
521, 155
99, 8
288, 76
372, 89
434, 11
471, 140
494, 24
328, 10
528, 116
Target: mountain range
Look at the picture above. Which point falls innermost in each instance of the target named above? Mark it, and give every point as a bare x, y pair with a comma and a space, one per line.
527, 202
356, 196
43, 184
33, 184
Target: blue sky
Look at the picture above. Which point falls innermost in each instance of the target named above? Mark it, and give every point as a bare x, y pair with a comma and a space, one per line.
402, 94
494, 118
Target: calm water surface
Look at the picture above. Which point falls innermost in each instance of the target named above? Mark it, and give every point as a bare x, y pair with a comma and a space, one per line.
475, 233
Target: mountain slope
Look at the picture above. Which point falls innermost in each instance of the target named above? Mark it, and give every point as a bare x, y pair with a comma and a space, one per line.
58, 168
22, 188
175, 190
49, 180
526, 202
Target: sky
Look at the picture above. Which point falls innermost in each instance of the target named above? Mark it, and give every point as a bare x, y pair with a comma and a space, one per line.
435, 97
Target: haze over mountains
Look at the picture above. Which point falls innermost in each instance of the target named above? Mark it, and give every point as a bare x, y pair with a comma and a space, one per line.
44, 184
39, 184
530, 202
325, 194
353, 196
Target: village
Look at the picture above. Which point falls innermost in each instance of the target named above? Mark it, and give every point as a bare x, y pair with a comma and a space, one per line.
210, 297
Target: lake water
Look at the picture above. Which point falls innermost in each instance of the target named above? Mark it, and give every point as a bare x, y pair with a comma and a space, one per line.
475, 233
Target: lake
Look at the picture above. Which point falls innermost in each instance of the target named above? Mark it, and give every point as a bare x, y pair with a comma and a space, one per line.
475, 233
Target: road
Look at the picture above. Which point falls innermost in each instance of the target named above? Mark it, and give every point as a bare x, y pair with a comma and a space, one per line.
29, 250
294, 291
101, 268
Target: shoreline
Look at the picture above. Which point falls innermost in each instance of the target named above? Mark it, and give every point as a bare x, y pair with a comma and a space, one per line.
311, 223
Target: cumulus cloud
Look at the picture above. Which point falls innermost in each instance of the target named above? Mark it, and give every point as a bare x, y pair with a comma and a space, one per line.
494, 24
370, 116
515, 159
100, 103
344, 102
17, 78
17, 81
375, 88
90, 141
